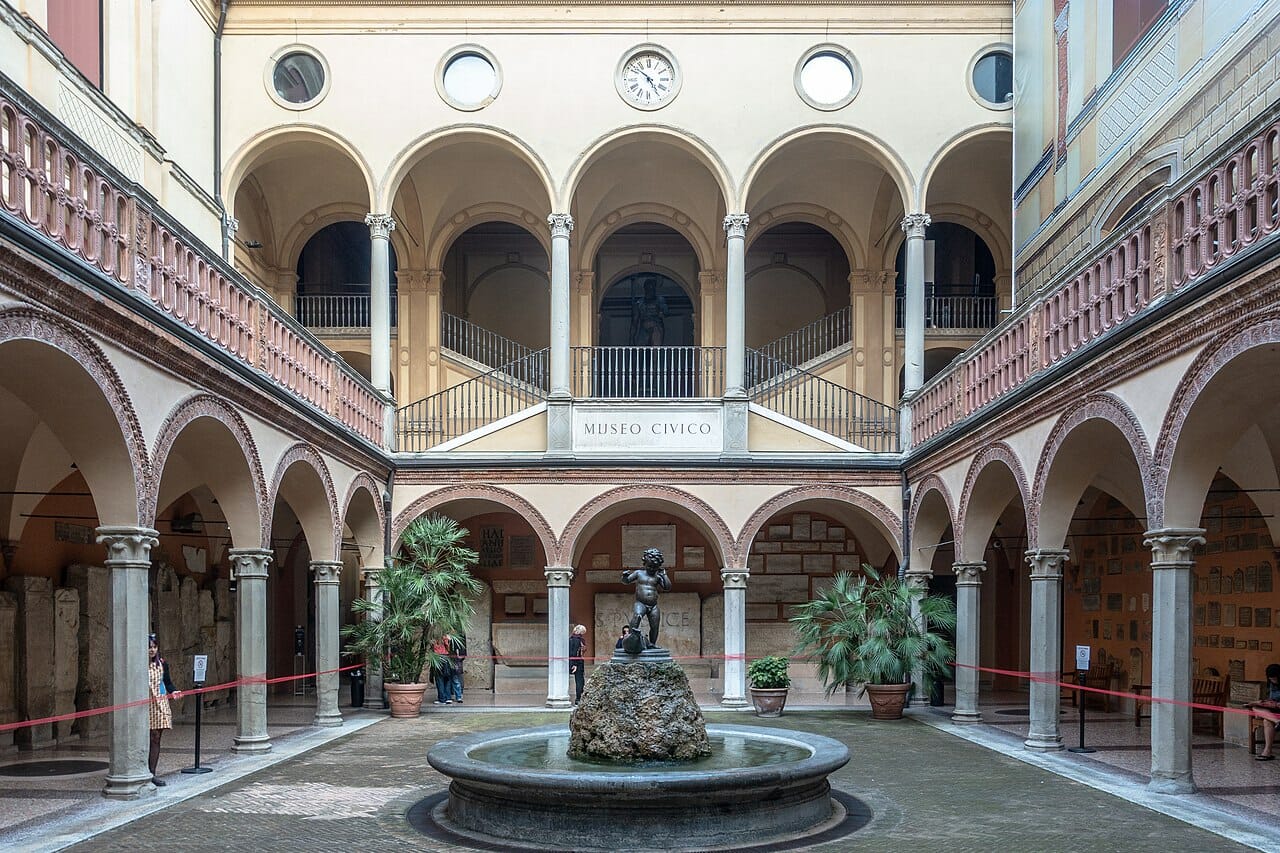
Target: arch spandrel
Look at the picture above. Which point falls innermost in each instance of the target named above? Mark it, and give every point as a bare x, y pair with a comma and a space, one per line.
501, 499
878, 516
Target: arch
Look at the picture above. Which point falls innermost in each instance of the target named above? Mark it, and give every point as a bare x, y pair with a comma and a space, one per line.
932, 483
312, 526
127, 462
991, 128
927, 523
703, 247
812, 214
494, 270
645, 269
363, 491
1160, 168
879, 515
883, 155
303, 230
681, 140
977, 222
968, 536
249, 155
186, 412
480, 214
1112, 410
423, 146
598, 511
508, 500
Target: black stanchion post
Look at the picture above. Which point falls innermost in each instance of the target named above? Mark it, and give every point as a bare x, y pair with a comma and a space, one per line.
1080, 679
201, 662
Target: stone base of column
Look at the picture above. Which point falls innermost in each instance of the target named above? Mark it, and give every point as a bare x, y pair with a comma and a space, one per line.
560, 427
734, 702
128, 787
328, 720
966, 717
559, 703
252, 744
1043, 743
1168, 785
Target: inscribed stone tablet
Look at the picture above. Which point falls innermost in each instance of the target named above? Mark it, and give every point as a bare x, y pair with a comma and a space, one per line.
513, 605
694, 577
520, 643
798, 547
755, 563
766, 547
539, 607
846, 563
693, 557
600, 561
817, 564
819, 530
681, 629
638, 538
835, 533
783, 563
604, 577
521, 552
780, 588
520, 587
801, 525
767, 612
491, 548
779, 531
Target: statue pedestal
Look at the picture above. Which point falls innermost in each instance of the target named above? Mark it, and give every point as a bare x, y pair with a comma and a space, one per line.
638, 708
654, 654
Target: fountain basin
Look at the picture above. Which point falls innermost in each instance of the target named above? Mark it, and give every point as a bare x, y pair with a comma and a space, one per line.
519, 785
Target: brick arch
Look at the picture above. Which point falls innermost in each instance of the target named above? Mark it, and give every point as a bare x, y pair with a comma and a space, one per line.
1103, 406
510, 500
933, 483
34, 325
1246, 335
992, 453
696, 510
876, 510
197, 406
302, 452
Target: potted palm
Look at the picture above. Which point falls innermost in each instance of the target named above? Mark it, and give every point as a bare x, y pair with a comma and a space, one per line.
422, 595
876, 631
769, 683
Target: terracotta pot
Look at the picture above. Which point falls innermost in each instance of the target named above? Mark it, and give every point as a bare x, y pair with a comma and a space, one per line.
887, 700
405, 699
769, 702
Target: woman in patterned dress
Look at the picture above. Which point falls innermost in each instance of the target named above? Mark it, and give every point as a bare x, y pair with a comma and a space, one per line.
160, 716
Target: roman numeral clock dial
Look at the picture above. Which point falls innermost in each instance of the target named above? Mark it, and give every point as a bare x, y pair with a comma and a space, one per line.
648, 78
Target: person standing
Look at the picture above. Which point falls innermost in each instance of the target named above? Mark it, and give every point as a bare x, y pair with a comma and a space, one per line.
457, 656
622, 638
159, 714
1270, 708
577, 663
443, 670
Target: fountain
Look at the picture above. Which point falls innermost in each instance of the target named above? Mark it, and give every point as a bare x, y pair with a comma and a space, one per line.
639, 767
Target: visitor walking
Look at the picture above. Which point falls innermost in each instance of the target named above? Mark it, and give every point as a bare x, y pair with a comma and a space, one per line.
159, 714
1271, 712
442, 671
577, 664
457, 655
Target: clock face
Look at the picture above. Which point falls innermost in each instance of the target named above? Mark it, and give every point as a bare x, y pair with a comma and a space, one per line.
648, 79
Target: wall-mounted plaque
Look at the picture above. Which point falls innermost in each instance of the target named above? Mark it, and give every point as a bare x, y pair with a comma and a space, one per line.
1237, 581
637, 538
1262, 617
1090, 603
521, 552
539, 607
1199, 617
1214, 614
1264, 576
491, 542
1244, 617
513, 605
693, 557
599, 561
1115, 601
1228, 615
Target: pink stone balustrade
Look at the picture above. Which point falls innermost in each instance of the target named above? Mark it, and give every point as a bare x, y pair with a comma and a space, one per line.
47, 186
1224, 211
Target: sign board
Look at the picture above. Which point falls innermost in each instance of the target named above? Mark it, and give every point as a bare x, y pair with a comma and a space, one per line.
202, 666
646, 429
1082, 657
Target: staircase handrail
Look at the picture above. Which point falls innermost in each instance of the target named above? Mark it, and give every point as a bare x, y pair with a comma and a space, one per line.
478, 343
814, 339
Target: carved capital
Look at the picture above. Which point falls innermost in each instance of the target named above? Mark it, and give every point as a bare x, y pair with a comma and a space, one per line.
735, 225
913, 224
584, 282
380, 225
710, 281
918, 578
1046, 563
327, 571
250, 562
1171, 546
561, 225
734, 578
128, 546
558, 576
969, 574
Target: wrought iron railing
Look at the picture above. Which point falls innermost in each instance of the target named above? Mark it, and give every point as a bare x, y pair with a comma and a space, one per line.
480, 344
823, 405
813, 340
647, 372
473, 404
337, 310
954, 312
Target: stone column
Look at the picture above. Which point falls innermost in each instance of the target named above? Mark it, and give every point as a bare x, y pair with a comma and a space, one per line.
735, 637
735, 309
558, 580
1046, 647
559, 411
326, 579
380, 227
250, 565
918, 579
968, 587
35, 655
129, 559
1171, 565
914, 226
373, 666
9, 667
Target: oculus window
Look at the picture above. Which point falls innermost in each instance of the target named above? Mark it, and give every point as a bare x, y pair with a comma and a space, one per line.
469, 78
991, 79
826, 77
298, 78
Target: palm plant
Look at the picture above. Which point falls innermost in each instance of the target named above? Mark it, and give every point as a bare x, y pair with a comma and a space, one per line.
874, 629
422, 596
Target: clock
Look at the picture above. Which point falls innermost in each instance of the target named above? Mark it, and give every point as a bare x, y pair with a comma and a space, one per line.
648, 77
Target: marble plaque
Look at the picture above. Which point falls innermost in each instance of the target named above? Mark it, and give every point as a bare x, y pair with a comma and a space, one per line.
766, 547
684, 577
522, 548
819, 530
847, 563
66, 657
836, 533
600, 561
801, 526
779, 531
832, 547
604, 577
519, 587
513, 605
681, 629
755, 563
783, 563
637, 538
799, 547
491, 548
693, 557
817, 564
766, 638
778, 588
767, 612
520, 643
540, 607
648, 429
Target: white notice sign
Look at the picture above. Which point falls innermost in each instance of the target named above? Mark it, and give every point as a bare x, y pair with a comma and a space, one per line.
202, 666
1082, 657
644, 429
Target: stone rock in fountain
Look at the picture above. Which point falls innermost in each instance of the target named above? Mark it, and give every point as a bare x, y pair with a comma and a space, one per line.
638, 712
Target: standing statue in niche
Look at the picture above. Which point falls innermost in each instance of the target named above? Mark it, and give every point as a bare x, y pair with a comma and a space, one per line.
649, 581
648, 316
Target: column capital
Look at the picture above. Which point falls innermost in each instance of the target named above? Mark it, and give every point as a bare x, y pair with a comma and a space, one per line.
735, 578
327, 571
380, 225
1171, 546
918, 578
913, 224
735, 225
128, 545
419, 281
1046, 563
584, 282
558, 575
250, 562
710, 281
969, 574
561, 225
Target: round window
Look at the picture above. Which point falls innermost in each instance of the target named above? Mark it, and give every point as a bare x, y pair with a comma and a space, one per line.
827, 77
993, 78
469, 79
298, 77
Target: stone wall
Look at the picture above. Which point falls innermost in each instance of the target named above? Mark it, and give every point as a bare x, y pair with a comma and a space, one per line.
34, 644
93, 689
192, 621
8, 666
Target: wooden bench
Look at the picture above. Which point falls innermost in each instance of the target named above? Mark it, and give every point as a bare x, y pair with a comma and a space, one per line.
1209, 691
1099, 677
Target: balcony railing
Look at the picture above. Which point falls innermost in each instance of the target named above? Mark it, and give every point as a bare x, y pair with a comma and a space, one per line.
647, 372
480, 344
347, 311
954, 312
813, 340
56, 185
1213, 215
